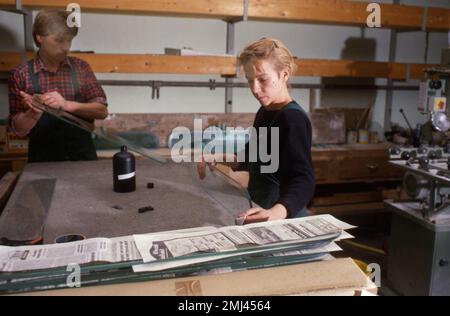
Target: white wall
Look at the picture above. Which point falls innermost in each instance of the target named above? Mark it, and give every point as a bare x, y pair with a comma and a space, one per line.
116, 33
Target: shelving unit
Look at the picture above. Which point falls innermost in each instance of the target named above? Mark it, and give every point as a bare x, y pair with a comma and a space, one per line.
337, 12
231, 11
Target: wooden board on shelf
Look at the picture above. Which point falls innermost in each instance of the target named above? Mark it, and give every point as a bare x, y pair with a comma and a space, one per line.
133, 63
341, 12
219, 65
189, 8
358, 69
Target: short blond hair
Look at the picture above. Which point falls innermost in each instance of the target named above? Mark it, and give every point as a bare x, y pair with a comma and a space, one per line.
53, 22
268, 48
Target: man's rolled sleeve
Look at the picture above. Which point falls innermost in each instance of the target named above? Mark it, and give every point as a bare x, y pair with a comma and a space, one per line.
15, 85
14, 88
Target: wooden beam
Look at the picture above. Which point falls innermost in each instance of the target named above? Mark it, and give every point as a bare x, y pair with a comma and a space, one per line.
190, 8
341, 12
417, 70
335, 12
438, 19
134, 63
9, 60
348, 68
7, 3
124, 63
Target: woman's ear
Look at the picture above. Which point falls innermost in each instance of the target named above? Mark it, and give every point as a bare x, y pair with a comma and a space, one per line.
285, 75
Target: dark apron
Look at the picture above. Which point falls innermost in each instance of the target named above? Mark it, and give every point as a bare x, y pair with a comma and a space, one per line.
52, 139
264, 188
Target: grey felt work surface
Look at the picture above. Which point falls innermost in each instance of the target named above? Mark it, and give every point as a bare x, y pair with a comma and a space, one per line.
54, 199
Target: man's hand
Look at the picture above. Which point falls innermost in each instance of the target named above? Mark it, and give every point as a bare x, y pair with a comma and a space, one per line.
32, 111
24, 121
259, 214
27, 99
55, 100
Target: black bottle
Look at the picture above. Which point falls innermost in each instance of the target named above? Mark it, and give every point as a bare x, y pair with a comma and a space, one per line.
124, 171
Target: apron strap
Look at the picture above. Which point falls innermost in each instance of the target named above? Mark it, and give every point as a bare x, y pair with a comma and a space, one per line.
33, 77
75, 84
35, 80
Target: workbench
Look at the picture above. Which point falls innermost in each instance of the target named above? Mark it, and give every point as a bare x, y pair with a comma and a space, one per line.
349, 178
53, 199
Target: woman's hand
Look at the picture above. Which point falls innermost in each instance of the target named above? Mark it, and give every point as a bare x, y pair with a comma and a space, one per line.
201, 166
259, 214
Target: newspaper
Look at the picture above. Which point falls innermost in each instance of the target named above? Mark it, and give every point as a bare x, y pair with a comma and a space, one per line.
117, 249
164, 265
259, 236
79, 252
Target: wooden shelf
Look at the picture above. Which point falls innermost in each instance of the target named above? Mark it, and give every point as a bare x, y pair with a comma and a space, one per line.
133, 63
359, 69
308, 11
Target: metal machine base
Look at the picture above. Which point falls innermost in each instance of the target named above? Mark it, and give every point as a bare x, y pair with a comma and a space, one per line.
419, 252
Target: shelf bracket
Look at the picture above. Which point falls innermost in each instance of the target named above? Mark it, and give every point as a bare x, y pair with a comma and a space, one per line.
425, 16
245, 11
27, 25
230, 50
156, 85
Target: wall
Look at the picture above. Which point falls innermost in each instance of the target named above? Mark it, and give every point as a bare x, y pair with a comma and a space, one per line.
116, 33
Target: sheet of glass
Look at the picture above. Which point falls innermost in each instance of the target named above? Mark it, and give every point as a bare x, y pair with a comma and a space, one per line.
20, 282
24, 218
98, 131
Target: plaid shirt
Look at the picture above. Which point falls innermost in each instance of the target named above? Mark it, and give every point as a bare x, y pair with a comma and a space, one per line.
60, 81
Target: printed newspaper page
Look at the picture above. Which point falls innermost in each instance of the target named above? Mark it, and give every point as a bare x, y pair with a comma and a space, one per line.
153, 248
55, 255
117, 249
164, 265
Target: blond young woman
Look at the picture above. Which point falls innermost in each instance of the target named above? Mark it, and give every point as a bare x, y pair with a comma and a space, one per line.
268, 64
